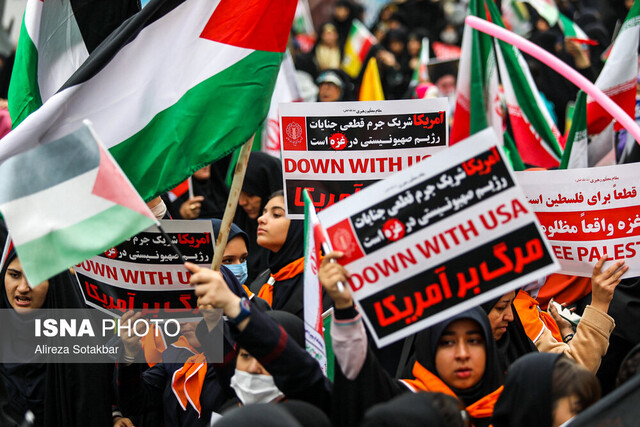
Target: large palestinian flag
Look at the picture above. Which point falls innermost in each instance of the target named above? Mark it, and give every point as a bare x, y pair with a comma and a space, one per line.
56, 37
177, 86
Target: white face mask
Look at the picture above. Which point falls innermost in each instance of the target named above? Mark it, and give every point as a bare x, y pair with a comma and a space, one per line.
254, 388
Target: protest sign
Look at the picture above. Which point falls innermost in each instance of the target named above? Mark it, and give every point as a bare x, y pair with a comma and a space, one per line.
145, 273
436, 239
336, 149
587, 213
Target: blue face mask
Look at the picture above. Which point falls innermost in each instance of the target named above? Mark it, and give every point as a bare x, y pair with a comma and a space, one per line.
240, 271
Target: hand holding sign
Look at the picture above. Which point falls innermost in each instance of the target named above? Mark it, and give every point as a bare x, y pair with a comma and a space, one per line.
603, 283
330, 275
212, 291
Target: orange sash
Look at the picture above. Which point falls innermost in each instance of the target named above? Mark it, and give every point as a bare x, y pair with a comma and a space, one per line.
427, 381
187, 381
288, 271
534, 320
563, 288
153, 345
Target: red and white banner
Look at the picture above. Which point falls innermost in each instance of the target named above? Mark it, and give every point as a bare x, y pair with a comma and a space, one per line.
336, 149
438, 238
587, 213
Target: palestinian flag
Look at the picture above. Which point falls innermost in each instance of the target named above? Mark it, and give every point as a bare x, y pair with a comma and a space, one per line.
66, 201
313, 239
575, 150
55, 39
358, 44
179, 85
618, 78
371, 87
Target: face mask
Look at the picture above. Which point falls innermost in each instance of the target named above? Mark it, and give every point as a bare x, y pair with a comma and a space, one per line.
240, 271
254, 388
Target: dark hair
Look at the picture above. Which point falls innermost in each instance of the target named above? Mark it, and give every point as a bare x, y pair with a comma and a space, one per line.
276, 194
450, 408
629, 367
571, 379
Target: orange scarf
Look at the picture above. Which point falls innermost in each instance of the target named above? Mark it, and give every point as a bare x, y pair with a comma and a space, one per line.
533, 320
426, 381
187, 382
563, 288
287, 272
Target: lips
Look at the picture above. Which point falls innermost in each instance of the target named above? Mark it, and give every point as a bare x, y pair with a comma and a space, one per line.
261, 230
463, 373
22, 301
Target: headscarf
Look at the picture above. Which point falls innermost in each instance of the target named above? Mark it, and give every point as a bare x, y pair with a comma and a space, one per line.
234, 231
59, 393
292, 325
292, 248
262, 178
408, 409
306, 414
526, 399
259, 414
427, 345
514, 343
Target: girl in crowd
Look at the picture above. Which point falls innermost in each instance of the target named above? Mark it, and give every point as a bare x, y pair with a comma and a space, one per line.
456, 357
327, 52
57, 393
263, 177
589, 343
284, 239
272, 363
545, 390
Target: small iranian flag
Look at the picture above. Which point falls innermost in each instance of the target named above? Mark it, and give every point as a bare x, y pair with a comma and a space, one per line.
548, 9
176, 87
358, 44
56, 37
571, 31
618, 78
314, 237
421, 73
67, 201
575, 150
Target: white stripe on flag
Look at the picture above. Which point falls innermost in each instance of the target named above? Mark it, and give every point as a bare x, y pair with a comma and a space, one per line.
57, 206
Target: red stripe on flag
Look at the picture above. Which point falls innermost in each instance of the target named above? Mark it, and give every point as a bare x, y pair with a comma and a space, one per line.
252, 24
624, 95
180, 189
366, 45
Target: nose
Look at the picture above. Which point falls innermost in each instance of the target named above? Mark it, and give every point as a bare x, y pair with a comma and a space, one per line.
462, 351
23, 287
256, 368
262, 219
242, 200
508, 314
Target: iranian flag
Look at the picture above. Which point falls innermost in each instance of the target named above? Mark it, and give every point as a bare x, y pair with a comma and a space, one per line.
575, 153
312, 293
572, 31
359, 41
177, 86
618, 78
480, 102
286, 90
66, 201
421, 73
56, 37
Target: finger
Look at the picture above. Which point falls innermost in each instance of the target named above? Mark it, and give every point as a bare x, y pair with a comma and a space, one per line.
196, 199
201, 290
191, 267
331, 256
598, 267
611, 271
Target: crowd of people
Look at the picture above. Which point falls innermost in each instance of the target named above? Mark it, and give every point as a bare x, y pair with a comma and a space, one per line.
513, 361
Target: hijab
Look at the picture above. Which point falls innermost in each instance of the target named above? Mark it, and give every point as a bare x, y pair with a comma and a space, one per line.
292, 248
427, 344
234, 231
526, 398
58, 393
408, 409
514, 343
262, 178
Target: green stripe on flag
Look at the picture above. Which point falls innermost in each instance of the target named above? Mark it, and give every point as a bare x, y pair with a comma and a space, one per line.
24, 93
93, 235
577, 132
210, 121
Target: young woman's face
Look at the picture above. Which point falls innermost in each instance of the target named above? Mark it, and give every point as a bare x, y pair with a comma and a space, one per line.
501, 315
247, 363
273, 225
20, 295
461, 354
235, 252
250, 203
564, 409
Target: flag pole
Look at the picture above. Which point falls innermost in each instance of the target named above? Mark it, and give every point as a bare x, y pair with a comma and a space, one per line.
232, 203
